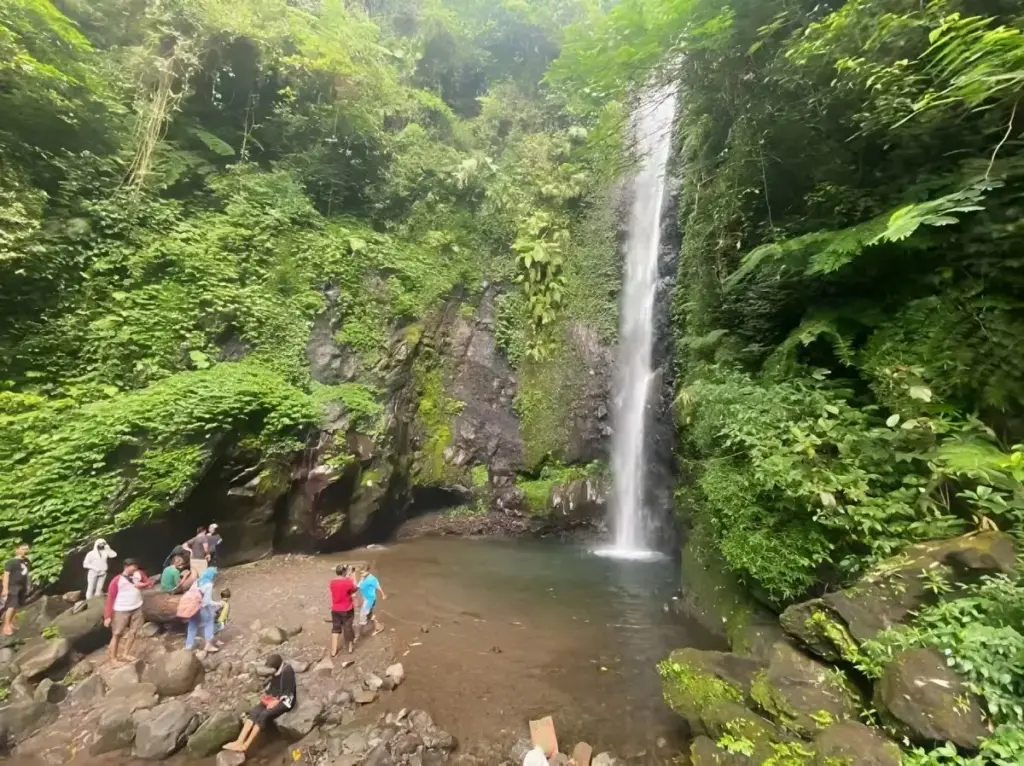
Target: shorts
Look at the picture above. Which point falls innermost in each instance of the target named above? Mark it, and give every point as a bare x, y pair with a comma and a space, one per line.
16, 598
126, 622
260, 716
341, 622
198, 565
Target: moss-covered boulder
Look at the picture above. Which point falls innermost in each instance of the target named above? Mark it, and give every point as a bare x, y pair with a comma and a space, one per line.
712, 595
802, 694
851, 743
927, 702
834, 625
704, 751
694, 681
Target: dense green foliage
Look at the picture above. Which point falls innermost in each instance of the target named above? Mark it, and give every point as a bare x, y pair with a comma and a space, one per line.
848, 317
186, 185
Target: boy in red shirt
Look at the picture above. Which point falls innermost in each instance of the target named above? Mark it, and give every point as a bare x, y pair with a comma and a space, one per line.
342, 609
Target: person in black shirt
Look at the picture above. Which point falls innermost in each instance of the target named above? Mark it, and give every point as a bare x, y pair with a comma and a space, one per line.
213, 541
278, 698
15, 589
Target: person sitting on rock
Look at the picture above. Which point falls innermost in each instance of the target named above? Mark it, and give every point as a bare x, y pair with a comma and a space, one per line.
123, 612
279, 696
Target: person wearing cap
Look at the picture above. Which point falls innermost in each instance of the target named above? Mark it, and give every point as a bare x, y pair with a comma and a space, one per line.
123, 612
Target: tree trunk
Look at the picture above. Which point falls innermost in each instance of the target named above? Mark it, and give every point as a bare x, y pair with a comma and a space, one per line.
158, 606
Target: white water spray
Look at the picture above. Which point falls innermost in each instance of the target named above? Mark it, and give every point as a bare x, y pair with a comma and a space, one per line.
653, 125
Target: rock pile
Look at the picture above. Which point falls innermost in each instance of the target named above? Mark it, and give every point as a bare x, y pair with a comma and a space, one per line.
801, 697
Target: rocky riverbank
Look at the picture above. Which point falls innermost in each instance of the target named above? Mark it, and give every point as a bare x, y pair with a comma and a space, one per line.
798, 688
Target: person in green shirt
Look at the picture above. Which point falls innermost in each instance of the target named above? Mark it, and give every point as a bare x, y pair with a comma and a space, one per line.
171, 580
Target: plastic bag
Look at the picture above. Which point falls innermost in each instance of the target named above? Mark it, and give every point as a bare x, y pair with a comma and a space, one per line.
535, 758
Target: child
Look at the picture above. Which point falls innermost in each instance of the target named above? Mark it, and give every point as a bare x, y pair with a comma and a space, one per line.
369, 587
222, 618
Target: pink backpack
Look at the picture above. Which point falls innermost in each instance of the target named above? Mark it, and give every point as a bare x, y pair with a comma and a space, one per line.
190, 603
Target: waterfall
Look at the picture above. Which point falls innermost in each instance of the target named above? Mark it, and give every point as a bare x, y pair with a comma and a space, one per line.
653, 122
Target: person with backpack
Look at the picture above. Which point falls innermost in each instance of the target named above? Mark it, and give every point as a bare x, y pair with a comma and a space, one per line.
198, 607
123, 612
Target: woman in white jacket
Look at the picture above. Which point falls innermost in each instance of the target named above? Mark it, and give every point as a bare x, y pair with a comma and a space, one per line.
95, 564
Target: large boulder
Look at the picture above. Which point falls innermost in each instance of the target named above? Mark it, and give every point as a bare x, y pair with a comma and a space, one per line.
579, 501
86, 692
924, 700
83, 626
731, 719
834, 625
175, 673
20, 720
141, 696
802, 694
297, 723
706, 752
853, 744
694, 680
164, 731
219, 729
125, 676
115, 730
40, 655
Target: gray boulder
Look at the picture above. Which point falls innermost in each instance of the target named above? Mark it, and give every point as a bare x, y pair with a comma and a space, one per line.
20, 720
222, 727
79, 672
272, 635
164, 732
924, 700
297, 723
803, 694
855, 744
50, 691
38, 656
141, 696
88, 691
230, 758
125, 676
116, 730
83, 625
175, 673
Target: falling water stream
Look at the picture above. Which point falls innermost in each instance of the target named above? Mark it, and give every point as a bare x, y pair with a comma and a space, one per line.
653, 126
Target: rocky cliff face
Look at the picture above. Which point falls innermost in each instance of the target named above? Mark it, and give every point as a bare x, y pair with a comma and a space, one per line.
449, 431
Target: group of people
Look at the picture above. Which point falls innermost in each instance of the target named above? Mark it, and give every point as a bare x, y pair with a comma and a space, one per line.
349, 585
190, 571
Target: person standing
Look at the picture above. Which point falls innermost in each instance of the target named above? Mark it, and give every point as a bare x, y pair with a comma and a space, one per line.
207, 614
213, 541
123, 612
342, 609
199, 548
369, 587
95, 564
279, 696
15, 587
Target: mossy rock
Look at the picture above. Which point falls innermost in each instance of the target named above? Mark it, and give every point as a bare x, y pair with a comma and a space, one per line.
801, 694
714, 597
924, 700
851, 743
835, 625
726, 721
706, 752
694, 681
815, 626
